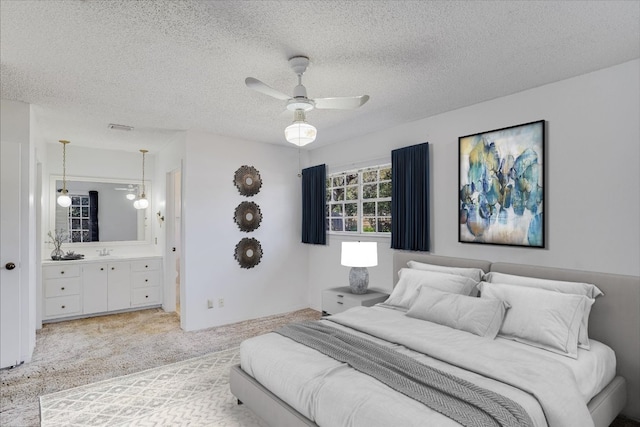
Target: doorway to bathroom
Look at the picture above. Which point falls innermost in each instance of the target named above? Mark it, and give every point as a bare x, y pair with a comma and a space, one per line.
174, 239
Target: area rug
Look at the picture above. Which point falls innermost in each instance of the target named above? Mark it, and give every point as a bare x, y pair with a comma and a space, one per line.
193, 392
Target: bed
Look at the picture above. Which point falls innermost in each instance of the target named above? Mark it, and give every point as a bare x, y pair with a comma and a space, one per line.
297, 385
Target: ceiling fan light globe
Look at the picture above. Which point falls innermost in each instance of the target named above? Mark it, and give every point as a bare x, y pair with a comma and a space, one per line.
64, 200
300, 133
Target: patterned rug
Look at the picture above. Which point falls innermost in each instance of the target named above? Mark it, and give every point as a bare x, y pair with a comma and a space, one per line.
194, 392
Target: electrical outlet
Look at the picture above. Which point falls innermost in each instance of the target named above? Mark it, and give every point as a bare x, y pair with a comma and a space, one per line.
220, 302
209, 303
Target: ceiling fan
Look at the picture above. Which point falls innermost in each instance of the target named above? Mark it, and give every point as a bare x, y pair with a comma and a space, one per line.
129, 189
300, 132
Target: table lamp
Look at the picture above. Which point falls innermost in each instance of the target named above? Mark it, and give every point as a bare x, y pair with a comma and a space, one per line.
359, 256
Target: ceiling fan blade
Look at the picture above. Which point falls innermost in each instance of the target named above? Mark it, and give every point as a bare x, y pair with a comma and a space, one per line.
343, 103
257, 85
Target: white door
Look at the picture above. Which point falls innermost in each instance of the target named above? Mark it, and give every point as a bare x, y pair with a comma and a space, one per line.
10, 254
173, 250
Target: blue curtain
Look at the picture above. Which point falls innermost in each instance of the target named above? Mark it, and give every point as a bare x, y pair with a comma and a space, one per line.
314, 229
94, 228
410, 198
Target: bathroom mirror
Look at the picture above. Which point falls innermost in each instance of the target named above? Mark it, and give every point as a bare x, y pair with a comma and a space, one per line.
100, 211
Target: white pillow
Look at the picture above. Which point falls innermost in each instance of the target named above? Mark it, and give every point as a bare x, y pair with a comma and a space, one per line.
574, 288
480, 316
406, 291
472, 273
541, 318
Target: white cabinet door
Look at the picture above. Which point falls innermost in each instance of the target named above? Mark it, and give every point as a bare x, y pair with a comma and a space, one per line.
94, 288
119, 286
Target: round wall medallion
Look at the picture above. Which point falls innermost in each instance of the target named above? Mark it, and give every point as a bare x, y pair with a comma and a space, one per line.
248, 252
247, 180
248, 216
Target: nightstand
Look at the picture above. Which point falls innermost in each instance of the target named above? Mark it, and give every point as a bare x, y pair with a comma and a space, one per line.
337, 300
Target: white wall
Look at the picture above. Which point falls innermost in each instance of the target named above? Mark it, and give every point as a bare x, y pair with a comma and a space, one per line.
278, 283
592, 181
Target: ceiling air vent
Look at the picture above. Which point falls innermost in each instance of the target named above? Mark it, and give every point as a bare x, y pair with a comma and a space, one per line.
119, 127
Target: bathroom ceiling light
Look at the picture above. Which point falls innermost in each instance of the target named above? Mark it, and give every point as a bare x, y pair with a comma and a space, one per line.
142, 202
63, 199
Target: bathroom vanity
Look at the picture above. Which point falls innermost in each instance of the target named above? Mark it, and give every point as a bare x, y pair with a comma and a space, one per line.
102, 285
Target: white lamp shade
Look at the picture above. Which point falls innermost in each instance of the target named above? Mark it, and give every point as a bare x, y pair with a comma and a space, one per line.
300, 133
141, 203
64, 200
359, 254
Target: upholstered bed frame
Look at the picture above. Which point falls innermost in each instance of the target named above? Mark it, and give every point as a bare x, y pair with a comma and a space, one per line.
614, 320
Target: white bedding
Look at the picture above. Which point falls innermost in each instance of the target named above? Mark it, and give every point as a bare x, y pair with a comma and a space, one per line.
333, 394
593, 369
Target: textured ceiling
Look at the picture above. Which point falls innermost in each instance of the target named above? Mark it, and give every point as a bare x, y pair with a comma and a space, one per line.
162, 66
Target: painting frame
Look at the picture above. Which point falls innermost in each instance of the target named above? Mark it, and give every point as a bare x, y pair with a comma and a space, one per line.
502, 186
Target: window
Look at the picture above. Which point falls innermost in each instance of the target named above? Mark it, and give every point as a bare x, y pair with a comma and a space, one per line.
359, 201
79, 230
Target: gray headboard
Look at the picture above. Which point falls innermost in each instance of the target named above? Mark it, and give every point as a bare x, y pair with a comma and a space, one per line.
614, 319
400, 259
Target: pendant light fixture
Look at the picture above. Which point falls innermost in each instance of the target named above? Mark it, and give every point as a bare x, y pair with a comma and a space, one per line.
300, 132
63, 199
142, 202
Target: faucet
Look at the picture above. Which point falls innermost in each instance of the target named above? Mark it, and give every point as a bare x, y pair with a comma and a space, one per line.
104, 251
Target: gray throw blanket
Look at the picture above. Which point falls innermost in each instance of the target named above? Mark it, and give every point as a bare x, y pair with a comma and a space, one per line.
460, 400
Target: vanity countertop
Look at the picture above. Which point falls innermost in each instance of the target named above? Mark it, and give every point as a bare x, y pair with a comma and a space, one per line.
106, 258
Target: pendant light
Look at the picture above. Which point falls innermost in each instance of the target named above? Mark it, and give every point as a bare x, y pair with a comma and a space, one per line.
300, 132
142, 202
63, 199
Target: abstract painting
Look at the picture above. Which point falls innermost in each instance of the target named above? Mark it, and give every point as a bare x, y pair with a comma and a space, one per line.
501, 186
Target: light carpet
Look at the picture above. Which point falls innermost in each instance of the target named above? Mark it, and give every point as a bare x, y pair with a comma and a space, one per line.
194, 392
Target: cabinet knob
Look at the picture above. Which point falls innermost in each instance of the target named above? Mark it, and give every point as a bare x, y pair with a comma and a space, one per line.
340, 302
62, 288
62, 306
146, 280
146, 296
146, 266
62, 272
340, 296
101, 268
113, 268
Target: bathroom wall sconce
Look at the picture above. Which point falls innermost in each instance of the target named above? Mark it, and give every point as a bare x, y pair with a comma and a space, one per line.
160, 217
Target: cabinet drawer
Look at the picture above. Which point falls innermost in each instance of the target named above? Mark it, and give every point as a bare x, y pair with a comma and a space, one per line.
333, 307
62, 306
341, 299
61, 287
145, 296
144, 279
57, 272
145, 265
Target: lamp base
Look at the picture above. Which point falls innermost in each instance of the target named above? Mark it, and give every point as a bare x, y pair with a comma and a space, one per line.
358, 280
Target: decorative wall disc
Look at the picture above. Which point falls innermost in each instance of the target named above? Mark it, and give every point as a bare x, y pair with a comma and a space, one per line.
247, 180
248, 216
248, 252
